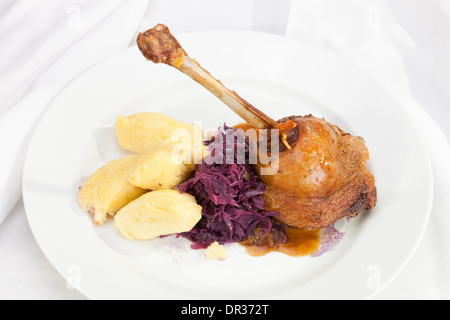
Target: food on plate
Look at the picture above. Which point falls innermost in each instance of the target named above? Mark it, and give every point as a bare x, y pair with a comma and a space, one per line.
157, 213
216, 251
320, 171
107, 190
139, 132
229, 192
176, 149
160, 46
165, 165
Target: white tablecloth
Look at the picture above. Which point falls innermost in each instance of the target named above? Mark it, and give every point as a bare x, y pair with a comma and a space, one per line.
45, 44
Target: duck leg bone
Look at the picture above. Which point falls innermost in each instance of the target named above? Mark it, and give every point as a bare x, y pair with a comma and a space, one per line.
160, 46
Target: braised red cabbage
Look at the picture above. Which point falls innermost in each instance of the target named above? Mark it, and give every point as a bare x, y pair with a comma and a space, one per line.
229, 191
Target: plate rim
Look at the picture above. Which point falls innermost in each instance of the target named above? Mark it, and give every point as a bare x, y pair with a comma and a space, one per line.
379, 83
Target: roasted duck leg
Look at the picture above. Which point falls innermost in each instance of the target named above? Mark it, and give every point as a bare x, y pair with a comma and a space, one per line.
160, 46
322, 175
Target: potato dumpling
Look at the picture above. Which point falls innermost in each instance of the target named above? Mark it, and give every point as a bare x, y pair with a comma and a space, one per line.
216, 251
158, 213
166, 165
139, 132
107, 190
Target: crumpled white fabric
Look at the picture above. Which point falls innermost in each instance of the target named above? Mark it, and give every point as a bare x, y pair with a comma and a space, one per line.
404, 45
45, 44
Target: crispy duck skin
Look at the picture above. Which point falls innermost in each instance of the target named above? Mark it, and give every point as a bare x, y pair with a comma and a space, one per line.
322, 174
322, 179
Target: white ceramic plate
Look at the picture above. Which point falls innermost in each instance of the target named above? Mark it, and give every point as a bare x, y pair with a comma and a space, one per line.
280, 76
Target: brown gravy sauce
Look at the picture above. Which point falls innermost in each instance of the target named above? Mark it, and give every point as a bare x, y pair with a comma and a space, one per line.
300, 243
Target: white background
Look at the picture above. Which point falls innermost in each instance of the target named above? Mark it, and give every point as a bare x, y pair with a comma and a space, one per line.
45, 44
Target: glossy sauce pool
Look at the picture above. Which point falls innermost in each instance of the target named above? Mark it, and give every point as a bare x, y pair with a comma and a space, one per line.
300, 243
